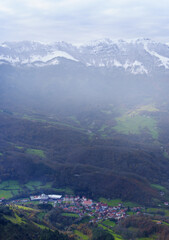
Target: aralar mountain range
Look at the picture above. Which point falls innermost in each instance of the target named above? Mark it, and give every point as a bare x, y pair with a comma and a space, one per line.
96, 114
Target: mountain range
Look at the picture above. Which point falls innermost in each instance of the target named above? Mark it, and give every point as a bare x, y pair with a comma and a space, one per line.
139, 56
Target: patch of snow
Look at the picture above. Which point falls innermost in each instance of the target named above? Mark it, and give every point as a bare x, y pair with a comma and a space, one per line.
25, 61
101, 64
117, 63
52, 55
53, 62
88, 64
138, 68
135, 67
49, 59
164, 60
39, 64
4, 45
9, 59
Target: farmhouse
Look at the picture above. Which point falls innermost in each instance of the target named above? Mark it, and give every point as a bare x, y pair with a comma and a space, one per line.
40, 197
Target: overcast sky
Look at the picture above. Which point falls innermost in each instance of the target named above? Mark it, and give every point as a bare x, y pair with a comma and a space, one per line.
79, 21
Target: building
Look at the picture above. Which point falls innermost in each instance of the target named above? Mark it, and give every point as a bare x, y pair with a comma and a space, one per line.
68, 199
54, 197
40, 197
87, 203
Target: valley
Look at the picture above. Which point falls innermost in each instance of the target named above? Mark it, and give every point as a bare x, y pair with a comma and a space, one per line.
75, 126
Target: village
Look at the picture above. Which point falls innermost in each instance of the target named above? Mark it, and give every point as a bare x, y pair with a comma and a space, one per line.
96, 210
81, 206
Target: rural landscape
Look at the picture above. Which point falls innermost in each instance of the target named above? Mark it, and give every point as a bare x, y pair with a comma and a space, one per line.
109, 160
84, 120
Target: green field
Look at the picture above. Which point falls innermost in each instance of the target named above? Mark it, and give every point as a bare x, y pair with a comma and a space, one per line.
109, 223
135, 124
157, 211
40, 226
9, 189
81, 235
130, 213
12, 185
4, 184
36, 185
70, 215
37, 152
116, 237
111, 203
19, 147
32, 185
144, 108
15, 192
158, 187
5, 194
115, 202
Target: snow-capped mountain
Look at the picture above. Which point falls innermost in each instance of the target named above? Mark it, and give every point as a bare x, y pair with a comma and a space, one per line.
140, 56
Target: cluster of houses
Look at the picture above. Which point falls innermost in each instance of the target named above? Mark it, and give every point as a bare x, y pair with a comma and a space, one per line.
86, 207
96, 210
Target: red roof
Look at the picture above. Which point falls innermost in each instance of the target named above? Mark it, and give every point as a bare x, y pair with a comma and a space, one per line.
89, 202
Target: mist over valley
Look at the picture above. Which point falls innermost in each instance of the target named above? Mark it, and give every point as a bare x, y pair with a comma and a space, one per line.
90, 120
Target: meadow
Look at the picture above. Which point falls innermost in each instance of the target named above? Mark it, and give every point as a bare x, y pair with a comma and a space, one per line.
136, 125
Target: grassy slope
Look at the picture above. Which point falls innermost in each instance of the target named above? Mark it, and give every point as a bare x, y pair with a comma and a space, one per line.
134, 122
36, 152
135, 125
115, 202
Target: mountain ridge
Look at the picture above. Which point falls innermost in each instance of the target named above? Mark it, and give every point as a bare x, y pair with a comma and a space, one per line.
138, 57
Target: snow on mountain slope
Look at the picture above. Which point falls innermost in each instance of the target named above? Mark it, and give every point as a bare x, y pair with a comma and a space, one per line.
138, 56
134, 67
164, 60
50, 56
29, 56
